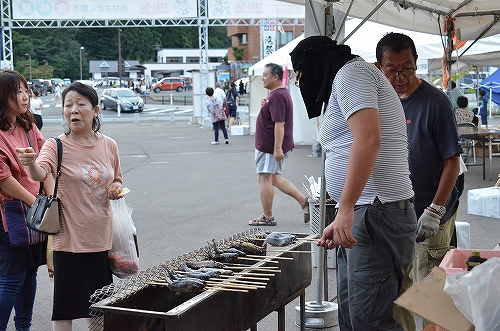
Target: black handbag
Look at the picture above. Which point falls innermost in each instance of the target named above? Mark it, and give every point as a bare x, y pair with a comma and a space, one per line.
43, 215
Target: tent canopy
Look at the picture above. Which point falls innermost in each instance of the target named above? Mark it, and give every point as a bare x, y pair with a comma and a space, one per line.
492, 86
471, 19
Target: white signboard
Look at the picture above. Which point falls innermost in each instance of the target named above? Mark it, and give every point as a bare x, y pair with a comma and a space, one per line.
422, 67
268, 38
98, 9
253, 9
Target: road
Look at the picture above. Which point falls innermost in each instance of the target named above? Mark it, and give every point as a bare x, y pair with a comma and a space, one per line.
185, 191
157, 107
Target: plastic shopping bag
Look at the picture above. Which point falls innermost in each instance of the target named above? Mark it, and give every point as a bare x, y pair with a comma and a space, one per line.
476, 294
124, 254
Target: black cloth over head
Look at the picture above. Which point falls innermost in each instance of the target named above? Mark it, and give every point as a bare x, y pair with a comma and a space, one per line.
318, 59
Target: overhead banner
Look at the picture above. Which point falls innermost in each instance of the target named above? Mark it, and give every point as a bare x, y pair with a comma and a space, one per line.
103, 9
228, 9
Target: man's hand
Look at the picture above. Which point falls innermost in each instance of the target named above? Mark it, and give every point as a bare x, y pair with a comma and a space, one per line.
339, 232
428, 225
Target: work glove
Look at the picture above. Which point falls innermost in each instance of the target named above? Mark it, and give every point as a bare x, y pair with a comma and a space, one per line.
427, 225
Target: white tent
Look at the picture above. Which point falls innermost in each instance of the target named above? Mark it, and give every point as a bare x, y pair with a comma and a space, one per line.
471, 19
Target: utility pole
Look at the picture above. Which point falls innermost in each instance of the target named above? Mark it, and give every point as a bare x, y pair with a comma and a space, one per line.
81, 62
120, 67
27, 54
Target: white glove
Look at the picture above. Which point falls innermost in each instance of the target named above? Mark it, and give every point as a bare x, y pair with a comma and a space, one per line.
427, 225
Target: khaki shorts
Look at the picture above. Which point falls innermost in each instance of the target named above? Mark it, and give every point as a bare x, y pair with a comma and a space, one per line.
266, 163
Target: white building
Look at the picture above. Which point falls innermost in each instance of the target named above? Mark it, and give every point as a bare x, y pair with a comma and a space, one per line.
170, 63
181, 61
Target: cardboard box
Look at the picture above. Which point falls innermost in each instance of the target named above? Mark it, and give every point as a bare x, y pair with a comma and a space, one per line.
454, 260
427, 299
484, 202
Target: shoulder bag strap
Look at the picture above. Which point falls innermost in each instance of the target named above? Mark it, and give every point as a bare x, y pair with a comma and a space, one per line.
59, 161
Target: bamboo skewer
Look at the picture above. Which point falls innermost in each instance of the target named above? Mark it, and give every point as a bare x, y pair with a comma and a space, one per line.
217, 288
231, 285
268, 269
249, 275
290, 251
238, 281
272, 257
255, 259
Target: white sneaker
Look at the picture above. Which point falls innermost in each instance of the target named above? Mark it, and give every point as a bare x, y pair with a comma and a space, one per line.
214, 142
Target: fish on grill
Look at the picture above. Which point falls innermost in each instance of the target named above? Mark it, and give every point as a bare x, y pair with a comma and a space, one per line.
204, 264
180, 284
249, 248
279, 239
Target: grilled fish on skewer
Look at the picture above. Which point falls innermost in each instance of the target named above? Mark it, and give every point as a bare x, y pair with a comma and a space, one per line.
229, 250
249, 248
179, 284
222, 257
279, 239
204, 264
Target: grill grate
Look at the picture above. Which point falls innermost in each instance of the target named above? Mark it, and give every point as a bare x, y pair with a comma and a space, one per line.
124, 287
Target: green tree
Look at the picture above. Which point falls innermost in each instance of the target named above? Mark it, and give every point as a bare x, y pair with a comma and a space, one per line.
238, 53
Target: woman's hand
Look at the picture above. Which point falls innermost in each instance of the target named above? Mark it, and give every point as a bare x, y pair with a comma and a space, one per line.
27, 155
114, 191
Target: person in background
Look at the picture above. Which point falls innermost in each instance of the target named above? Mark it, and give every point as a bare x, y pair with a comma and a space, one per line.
273, 141
219, 93
455, 93
232, 98
482, 103
57, 96
90, 178
144, 88
217, 115
36, 107
462, 114
18, 265
364, 137
434, 157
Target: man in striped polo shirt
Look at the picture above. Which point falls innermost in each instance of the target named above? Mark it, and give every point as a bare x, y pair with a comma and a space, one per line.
363, 134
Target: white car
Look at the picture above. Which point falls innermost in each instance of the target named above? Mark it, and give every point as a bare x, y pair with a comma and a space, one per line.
87, 82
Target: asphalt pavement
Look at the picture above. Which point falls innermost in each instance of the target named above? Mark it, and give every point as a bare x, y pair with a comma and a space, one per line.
185, 191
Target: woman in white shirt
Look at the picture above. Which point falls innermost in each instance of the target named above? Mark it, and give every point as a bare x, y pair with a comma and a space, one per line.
36, 106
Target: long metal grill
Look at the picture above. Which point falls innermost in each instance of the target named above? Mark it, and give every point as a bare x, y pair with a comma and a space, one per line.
126, 294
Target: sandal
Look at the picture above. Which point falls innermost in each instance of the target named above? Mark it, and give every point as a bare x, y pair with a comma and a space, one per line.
306, 214
263, 221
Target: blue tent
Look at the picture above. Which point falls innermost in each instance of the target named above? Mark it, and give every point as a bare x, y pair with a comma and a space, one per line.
492, 84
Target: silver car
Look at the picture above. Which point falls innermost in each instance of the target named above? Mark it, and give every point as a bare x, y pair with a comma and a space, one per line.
126, 98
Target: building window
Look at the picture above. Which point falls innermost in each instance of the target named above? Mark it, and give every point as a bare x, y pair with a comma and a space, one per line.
192, 59
173, 60
214, 59
242, 39
285, 37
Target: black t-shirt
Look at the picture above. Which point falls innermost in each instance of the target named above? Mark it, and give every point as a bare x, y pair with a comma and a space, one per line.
432, 138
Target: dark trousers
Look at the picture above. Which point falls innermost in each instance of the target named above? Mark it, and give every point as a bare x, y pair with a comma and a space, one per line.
216, 126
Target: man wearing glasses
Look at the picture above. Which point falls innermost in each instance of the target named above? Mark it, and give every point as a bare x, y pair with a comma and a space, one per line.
434, 152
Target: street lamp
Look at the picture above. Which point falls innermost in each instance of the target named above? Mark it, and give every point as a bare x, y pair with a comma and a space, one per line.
27, 54
81, 67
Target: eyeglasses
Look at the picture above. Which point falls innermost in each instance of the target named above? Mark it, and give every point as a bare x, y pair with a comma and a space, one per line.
297, 78
392, 74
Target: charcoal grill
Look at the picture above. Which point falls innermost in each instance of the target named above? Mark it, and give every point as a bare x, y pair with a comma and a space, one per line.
134, 304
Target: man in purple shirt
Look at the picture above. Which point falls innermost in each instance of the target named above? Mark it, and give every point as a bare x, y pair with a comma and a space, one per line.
273, 140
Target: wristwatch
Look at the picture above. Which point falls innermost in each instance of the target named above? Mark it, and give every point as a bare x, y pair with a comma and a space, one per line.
440, 210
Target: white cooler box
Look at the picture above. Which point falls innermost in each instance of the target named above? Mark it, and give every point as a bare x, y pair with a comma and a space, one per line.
484, 202
240, 130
